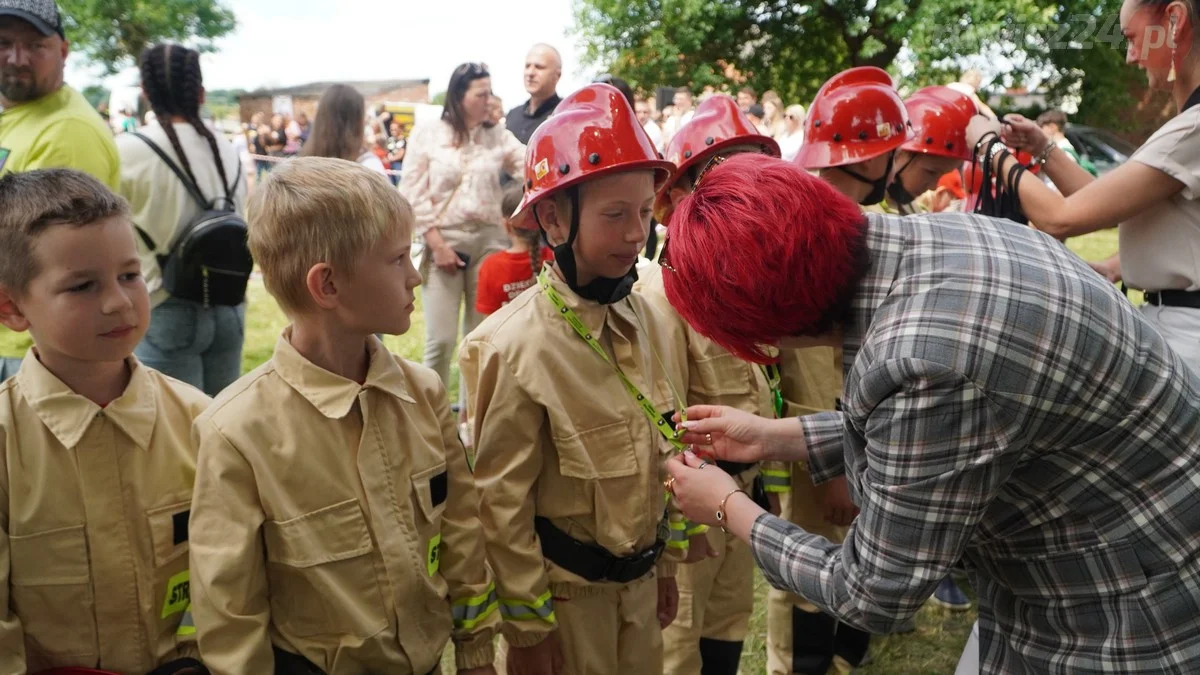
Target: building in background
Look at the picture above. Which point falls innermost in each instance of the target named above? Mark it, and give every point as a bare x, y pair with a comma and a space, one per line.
304, 97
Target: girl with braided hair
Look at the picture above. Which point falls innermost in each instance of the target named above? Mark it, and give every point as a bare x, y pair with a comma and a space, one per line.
186, 340
506, 274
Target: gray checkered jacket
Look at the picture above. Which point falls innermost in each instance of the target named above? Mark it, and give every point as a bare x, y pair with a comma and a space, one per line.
1006, 407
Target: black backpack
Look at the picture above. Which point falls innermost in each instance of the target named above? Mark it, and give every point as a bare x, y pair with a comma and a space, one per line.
209, 260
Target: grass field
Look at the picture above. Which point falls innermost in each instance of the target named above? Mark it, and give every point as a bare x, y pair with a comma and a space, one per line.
932, 649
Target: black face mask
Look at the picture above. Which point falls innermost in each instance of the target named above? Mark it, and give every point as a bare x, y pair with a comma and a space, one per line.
897, 191
878, 185
603, 290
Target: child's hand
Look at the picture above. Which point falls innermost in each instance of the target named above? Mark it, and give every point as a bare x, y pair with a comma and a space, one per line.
544, 658
668, 601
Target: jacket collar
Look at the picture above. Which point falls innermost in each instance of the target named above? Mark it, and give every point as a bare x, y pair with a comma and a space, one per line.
332, 394
69, 415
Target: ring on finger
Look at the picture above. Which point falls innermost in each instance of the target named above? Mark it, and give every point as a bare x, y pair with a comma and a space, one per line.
703, 463
669, 484
708, 438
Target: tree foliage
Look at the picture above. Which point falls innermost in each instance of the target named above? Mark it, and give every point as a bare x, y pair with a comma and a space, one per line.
113, 33
1073, 48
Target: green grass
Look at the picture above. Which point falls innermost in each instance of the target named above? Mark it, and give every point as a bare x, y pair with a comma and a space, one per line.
933, 648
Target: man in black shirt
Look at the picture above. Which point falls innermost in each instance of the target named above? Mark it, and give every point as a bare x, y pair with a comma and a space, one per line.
543, 68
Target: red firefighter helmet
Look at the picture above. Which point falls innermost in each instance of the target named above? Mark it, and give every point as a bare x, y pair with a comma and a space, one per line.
718, 124
939, 117
592, 133
856, 115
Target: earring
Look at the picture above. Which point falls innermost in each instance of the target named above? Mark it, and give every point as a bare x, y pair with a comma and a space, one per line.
1174, 39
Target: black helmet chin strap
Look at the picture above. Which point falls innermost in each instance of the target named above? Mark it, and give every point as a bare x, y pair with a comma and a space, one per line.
603, 290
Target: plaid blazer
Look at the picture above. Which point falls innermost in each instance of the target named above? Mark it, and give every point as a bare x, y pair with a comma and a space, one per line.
1005, 406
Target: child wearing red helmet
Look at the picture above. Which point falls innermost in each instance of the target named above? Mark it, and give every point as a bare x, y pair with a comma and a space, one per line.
570, 398
939, 118
717, 592
855, 125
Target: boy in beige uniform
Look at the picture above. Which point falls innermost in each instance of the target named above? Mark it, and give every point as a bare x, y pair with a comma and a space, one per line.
335, 521
716, 593
570, 450
96, 467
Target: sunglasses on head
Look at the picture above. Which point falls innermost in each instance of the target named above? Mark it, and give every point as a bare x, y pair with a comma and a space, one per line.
474, 69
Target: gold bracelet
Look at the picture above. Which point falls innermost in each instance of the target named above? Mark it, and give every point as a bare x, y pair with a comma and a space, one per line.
722, 516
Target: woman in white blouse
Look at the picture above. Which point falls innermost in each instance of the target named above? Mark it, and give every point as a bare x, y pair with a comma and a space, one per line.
1153, 199
452, 178
793, 132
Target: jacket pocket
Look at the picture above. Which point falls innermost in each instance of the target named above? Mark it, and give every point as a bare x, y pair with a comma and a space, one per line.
609, 486
322, 575
51, 583
599, 453
431, 492
1069, 578
170, 595
722, 377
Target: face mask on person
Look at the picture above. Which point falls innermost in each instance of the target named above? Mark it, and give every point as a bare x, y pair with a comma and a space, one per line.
878, 185
897, 191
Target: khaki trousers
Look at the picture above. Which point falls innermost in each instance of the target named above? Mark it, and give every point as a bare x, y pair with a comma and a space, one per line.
445, 293
800, 638
606, 629
716, 599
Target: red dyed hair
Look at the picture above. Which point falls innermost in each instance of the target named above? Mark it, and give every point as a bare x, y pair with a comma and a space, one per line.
760, 251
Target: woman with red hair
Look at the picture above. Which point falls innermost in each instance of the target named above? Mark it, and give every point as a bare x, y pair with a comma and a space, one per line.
1003, 405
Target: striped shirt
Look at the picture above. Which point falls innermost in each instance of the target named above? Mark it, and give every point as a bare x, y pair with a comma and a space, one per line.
1005, 406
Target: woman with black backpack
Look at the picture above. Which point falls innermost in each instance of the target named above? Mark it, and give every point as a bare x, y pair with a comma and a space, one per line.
187, 192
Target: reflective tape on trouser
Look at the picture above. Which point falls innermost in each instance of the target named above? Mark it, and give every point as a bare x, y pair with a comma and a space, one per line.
470, 612
776, 481
679, 535
187, 625
542, 608
694, 529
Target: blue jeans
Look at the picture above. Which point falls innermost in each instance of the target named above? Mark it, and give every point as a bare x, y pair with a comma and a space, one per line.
8, 368
200, 346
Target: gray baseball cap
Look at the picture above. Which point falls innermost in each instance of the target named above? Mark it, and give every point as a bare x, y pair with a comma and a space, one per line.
43, 14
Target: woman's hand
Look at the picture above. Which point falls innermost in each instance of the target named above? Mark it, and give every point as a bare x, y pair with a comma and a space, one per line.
979, 127
1022, 133
447, 260
698, 486
732, 435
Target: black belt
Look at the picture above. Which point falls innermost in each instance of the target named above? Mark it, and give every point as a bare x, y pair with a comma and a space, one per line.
1190, 299
734, 468
593, 562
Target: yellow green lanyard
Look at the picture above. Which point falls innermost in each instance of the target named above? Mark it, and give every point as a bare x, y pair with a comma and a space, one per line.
774, 378
642, 402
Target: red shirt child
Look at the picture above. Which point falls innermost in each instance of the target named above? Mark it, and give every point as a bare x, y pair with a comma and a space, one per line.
503, 276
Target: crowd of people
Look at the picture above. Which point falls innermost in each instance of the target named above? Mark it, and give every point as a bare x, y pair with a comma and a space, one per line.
828, 371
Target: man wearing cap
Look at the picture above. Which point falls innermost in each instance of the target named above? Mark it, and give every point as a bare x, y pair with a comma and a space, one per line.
43, 122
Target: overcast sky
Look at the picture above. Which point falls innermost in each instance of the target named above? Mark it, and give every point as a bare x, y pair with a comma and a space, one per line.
286, 42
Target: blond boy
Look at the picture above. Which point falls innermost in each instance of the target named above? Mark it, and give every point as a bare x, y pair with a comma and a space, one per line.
96, 469
335, 517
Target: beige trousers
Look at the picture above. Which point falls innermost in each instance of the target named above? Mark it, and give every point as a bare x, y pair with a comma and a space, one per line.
445, 293
608, 629
787, 613
716, 599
